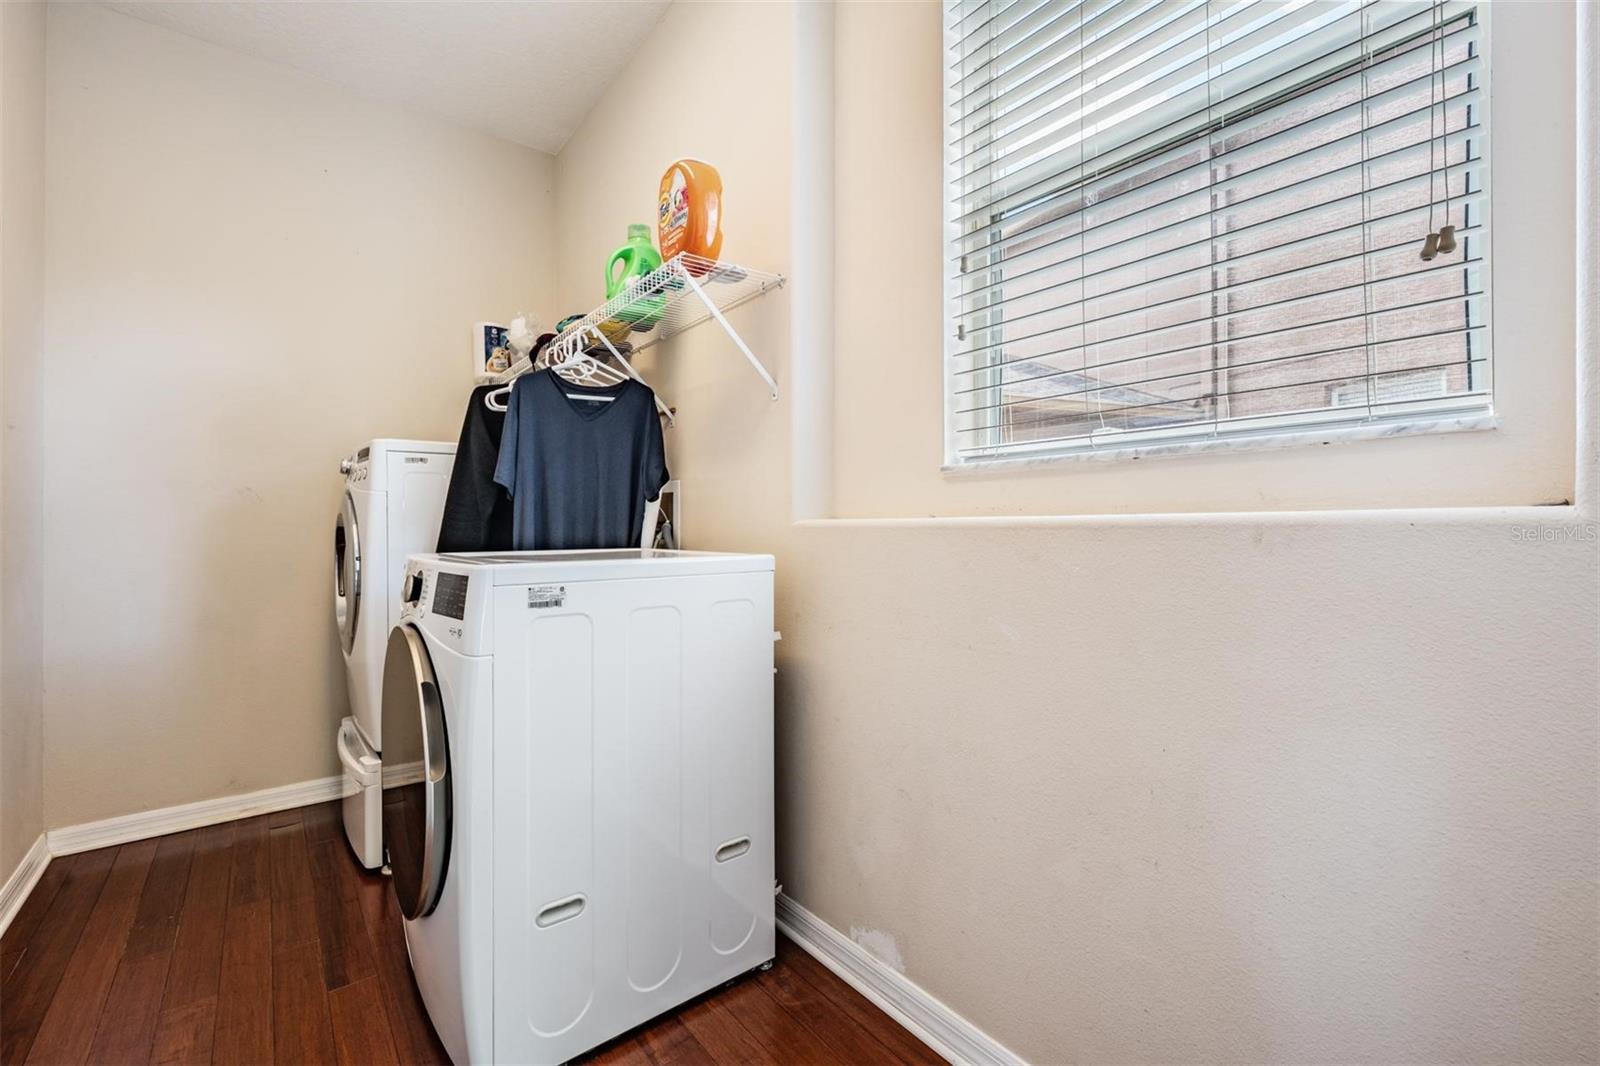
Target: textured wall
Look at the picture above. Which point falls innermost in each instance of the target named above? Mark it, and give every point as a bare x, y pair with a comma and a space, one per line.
250, 272
1210, 788
22, 93
1182, 792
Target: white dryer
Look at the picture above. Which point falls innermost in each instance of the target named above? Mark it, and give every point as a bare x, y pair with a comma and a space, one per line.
393, 503
588, 840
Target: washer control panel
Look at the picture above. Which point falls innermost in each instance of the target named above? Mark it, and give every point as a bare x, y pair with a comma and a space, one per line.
357, 468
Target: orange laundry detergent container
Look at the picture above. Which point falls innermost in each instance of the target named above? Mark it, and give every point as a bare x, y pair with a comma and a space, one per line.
689, 212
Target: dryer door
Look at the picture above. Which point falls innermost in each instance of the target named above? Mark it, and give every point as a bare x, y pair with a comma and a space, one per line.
416, 774
347, 573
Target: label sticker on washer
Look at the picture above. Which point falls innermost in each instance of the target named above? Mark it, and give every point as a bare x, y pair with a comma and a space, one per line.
547, 595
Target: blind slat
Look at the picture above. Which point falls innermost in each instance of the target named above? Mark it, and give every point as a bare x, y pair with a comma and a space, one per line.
1060, 172
1230, 367
1293, 236
1024, 264
1069, 62
1122, 409
1098, 198
970, 25
1048, 75
1283, 303
1028, 33
1466, 299
1301, 419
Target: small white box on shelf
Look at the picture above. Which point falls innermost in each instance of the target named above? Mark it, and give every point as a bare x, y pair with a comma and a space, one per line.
487, 338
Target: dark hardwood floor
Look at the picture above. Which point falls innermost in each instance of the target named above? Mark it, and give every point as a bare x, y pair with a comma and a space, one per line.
263, 941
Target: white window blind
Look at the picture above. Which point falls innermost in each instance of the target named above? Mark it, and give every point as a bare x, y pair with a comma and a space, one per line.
1175, 220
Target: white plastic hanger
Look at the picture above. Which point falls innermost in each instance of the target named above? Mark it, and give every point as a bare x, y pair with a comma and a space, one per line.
567, 357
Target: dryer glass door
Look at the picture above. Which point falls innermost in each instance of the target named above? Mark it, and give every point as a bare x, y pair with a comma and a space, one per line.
347, 573
416, 774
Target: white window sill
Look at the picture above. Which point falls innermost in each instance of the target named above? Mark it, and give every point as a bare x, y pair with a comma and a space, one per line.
1461, 422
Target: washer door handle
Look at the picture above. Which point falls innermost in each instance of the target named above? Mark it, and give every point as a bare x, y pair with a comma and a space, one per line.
347, 573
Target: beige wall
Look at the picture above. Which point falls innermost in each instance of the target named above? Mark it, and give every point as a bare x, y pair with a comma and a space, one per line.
1161, 788
22, 93
250, 272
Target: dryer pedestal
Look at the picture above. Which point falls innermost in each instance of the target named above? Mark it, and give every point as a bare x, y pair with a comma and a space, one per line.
363, 795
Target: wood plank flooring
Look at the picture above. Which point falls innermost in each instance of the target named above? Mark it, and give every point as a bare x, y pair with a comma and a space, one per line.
263, 941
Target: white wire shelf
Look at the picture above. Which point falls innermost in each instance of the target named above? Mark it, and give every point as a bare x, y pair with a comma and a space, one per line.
682, 293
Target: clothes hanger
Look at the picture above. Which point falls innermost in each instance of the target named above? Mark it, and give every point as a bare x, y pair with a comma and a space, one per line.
661, 408
570, 360
581, 368
568, 357
563, 356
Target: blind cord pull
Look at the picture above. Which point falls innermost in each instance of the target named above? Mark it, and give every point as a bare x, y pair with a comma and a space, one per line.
1443, 240
1447, 232
1430, 246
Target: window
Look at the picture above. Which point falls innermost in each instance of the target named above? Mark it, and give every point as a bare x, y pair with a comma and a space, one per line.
1185, 220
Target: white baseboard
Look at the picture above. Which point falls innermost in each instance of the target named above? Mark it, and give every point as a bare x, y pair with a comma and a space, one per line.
146, 824
935, 1024
15, 891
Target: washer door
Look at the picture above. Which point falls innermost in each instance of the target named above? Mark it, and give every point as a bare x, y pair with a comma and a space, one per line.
347, 573
416, 774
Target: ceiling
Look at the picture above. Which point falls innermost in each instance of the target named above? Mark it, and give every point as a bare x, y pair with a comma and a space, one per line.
525, 70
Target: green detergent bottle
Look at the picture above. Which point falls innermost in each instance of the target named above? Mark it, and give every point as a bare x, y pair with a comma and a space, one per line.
634, 260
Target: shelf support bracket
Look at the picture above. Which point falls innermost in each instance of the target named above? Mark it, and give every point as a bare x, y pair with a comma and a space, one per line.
772, 386
666, 412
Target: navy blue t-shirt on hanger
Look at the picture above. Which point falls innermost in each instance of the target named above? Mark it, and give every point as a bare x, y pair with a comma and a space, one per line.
580, 462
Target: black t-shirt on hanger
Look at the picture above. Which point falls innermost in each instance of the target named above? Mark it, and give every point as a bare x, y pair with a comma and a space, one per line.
477, 514
580, 462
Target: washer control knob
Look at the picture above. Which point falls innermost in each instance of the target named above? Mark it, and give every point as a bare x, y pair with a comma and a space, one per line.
411, 592
345, 465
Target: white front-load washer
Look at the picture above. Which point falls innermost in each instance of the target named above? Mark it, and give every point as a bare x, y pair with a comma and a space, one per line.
589, 841
393, 503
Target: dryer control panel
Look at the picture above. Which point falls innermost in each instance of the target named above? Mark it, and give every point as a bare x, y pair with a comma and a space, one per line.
450, 595
435, 592
416, 592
